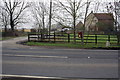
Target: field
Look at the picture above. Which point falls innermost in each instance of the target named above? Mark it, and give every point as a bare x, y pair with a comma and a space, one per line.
90, 41
100, 38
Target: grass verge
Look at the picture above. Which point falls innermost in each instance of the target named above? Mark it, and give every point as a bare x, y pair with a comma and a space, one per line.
71, 45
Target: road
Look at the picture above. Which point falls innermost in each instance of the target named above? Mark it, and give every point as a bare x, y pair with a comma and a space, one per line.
55, 62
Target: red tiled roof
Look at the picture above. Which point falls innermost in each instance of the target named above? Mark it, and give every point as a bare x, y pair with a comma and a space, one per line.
104, 16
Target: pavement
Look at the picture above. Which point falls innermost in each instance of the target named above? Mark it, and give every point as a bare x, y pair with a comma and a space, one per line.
11, 43
22, 60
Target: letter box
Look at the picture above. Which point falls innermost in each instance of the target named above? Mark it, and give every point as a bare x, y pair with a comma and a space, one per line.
80, 34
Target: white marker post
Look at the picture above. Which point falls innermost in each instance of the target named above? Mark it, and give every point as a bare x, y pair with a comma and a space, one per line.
107, 44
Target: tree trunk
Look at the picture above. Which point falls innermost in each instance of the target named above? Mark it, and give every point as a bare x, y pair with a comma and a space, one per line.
5, 28
50, 16
12, 26
74, 23
74, 31
11, 23
43, 19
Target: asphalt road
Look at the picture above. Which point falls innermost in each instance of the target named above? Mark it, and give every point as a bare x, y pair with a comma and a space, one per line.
60, 63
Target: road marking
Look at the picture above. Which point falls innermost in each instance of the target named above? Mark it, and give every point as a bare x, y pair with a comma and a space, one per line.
81, 64
36, 56
88, 57
66, 51
27, 76
14, 48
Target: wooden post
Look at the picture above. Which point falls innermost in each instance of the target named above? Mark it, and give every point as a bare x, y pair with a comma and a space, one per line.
41, 36
118, 39
38, 37
28, 37
95, 38
82, 40
50, 17
109, 37
68, 38
54, 36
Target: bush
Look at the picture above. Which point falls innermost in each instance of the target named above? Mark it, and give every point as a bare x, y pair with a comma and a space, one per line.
12, 34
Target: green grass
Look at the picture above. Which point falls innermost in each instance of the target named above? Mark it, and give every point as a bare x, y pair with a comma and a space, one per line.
69, 45
100, 38
101, 42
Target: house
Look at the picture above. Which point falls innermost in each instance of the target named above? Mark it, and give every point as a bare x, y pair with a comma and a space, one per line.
60, 27
79, 26
24, 30
27, 30
56, 27
1, 30
99, 22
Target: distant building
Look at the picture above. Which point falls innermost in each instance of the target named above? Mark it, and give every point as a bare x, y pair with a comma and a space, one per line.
56, 27
60, 27
27, 30
79, 26
24, 30
99, 22
1, 30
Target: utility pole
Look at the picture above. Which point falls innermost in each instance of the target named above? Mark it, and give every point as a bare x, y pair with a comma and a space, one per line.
43, 18
74, 21
50, 16
116, 17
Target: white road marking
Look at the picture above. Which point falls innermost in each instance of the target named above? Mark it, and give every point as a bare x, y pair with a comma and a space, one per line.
37, 56
27, 76
89, 57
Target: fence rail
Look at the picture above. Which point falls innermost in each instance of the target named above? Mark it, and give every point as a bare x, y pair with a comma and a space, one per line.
69, 38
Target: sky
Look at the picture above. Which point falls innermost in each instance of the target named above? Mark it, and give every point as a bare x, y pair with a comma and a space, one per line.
72, 0
101, 8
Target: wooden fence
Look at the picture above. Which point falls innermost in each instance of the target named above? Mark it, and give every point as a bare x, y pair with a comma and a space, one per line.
97, 38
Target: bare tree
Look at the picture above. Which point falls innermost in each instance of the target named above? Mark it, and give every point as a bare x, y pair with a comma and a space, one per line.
95, 9
15, 10
115, 9
39, 15
4, 18
86, 13
117, 13
50, 17
73, 8
57, 14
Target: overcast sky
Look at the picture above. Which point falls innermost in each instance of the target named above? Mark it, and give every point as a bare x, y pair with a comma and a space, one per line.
72, 0
101, 7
